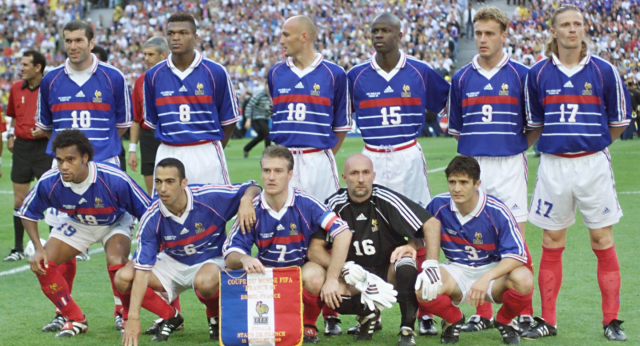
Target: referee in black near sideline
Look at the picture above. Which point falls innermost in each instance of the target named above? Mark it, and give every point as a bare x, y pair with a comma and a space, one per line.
258, 112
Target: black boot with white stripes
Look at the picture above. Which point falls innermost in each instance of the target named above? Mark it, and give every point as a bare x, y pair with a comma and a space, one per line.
73, 328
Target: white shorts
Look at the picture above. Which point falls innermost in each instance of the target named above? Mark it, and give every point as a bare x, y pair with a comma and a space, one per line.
81, 236
506, 178
565, 184
315, 172
401, 170
177, 277
52, 215
203, 163
465, 276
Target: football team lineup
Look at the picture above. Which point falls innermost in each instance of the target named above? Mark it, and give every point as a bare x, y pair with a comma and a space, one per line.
355, 216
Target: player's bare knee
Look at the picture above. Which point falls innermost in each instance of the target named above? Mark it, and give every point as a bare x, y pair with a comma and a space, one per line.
313, 276
124, 278
521, 280
114, 259
601, 238
554, 239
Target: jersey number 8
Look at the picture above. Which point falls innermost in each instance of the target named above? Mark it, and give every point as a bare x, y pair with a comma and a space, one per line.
185, 113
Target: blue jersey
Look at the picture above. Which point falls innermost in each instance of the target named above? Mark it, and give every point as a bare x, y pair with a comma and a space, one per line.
96, 101
576, 107
198, 234
189, 106
309, 106
283, 237
390, 107
486, 235
486, 109
101, 199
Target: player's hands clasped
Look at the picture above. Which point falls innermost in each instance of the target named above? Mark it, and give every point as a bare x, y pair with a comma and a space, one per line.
39, 262
252, 265
132, 331
430, 280
353, 273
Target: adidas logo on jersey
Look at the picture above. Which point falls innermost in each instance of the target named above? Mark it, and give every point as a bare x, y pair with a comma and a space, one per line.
488, 87
280, 228
299, 85
80, 94
82, 200
606, 211
361, 217
184, 231
388, 90
183, 89
568, 84
515, 207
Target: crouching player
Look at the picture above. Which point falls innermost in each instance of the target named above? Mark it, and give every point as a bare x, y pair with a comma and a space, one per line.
286, 220
188, 221
95, 199
486, 256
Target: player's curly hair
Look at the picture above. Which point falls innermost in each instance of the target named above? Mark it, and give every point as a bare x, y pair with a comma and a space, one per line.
464, 165
183, 17
71, 137
275, 151
173, 162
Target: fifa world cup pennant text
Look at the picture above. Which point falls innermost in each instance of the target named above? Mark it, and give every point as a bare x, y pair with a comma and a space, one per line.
261, 310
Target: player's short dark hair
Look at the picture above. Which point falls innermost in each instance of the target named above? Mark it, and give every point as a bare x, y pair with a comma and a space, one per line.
101, 53
173, 162
275, 151
182, 17
37, 58
464, 165
71, 137
79, 25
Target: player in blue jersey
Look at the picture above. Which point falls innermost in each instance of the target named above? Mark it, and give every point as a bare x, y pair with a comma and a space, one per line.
578, 105
96, 201
311, 110
286, 219
486, 255
191, 104
187, 222
486, 116
390, 94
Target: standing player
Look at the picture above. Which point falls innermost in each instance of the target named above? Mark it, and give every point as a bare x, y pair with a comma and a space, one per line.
311, 111
486, 255
391, 93
155, 50
97, 201
286, 220
577, 105
381, 220
486, 116
190, 103
27, 143
188, 223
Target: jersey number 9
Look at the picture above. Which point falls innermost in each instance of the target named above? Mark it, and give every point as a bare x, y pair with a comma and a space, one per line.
80, 120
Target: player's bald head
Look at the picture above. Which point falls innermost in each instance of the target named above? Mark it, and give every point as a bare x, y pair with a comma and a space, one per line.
357, 161
301, 24
388, 19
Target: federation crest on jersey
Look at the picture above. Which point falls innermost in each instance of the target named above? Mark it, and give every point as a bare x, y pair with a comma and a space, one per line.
262, 310
406, 92
505, 90
199, 228
98, 97
587, 89
99, 204
478, 240
374, 225
316, 90
200, 88
54, 288
293, 229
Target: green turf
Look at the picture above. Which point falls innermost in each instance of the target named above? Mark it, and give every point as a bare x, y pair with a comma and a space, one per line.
24, 309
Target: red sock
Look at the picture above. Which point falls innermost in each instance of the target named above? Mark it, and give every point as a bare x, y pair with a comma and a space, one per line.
328, 312
112, 269
151, 301
176, 304
212, 303
68, 272
312, 307
513, 303
423, 310
549, 282
528, 310
485, 310
55, 287
442, 307
609, 282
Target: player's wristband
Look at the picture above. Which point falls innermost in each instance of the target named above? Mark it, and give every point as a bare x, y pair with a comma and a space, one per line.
11, 131
133, 147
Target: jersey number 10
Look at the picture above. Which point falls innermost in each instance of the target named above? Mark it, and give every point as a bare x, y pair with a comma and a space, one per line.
82, 119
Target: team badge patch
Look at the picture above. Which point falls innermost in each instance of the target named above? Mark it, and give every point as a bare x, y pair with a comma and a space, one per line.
478, 240
293, 229
262, 309
98, 97
200, 88
505, 90
316, 90
99, 203
374, 225
587, 89
199, 228
406, 92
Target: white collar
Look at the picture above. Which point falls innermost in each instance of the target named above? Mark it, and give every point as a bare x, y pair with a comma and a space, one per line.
387, 76
301, 73
82, 187
183, 74
494, 70
166, 213
280, 213
81, 77
570, 72
482, 200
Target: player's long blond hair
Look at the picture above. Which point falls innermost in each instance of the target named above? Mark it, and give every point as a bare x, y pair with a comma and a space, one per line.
551, 46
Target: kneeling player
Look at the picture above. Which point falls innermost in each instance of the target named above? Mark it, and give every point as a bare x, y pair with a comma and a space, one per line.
286, 220
94, 199
486, 255
188, 221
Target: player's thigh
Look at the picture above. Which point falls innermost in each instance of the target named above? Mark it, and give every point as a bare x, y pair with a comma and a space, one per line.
211, 170
519, 279
173, 277
74, 234
20, 191
552, 205
313, 277
316, 174
58, 251
450, 286
506, 179
116, 240
206, 278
